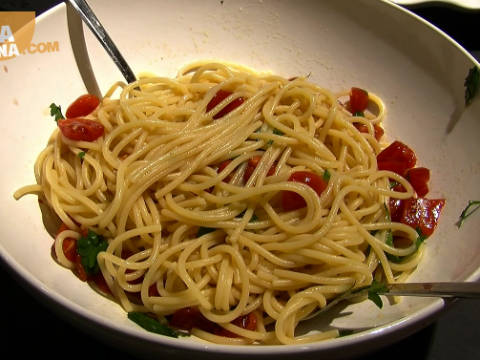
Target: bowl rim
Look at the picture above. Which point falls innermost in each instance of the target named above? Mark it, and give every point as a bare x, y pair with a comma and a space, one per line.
426, 315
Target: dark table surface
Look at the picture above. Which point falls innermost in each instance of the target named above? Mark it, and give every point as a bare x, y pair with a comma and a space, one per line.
33, 330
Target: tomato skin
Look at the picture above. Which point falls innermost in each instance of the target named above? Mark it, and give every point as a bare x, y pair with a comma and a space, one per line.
422, 213
418, 178
189, 318
248, 322
69, 247
82, 274
398, 152
82, 106
218, 98
293, 201
378, 131
393, 166
252, 165
79, 129
358, 100
101, 283
222, 167
396, 205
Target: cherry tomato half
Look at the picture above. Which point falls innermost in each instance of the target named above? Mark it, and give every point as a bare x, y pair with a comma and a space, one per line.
378, 131
358, 100
218, 98
248, 322
396, 205
252, 165
222, 167
293, 201
189, 318
418, 177
81, 129
422, 213
82, 106
399, 152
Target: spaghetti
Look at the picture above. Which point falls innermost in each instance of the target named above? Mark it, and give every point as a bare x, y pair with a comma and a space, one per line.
193, 184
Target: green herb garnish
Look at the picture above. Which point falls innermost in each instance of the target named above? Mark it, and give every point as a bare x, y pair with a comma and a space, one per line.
88, 247
56, 111
393, 183
81, 155
373, 291
254, 217
275, 132
151, 324
359, 113
471, 84
204, 231
421, 238
467, 212
326, 175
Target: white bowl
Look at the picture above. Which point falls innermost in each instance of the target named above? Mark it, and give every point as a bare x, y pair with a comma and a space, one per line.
376, 45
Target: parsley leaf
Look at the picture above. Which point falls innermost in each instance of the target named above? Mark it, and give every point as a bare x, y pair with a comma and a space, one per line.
421, 238
204, 231
88, 248
326, 175
56, 111
393, 184
151, 324
359, 113
373, 291
471, 84
275, 132
81, 155
465, 213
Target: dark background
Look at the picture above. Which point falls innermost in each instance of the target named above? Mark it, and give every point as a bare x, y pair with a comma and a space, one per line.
30, 329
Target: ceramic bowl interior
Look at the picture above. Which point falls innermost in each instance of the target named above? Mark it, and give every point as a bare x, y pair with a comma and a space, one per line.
416, 70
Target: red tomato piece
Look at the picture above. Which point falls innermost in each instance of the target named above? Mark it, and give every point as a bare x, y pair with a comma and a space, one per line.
378, 131
69, 247
396, 205
358, 100
393, 166
422, 213
189, 318
218, 98
252, 165
248, 322
80, 269
82, 106
293, 201
222, 167
81, 129
99, 280
418, 178
399, 152
152, 290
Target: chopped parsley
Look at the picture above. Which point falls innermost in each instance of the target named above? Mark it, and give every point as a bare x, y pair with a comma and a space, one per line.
359, 113
254, 217
326, 175
204, 231
56, 111
275, 132
468, 211
373, 293
88, 247
471, 84
81, 155
151, 325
